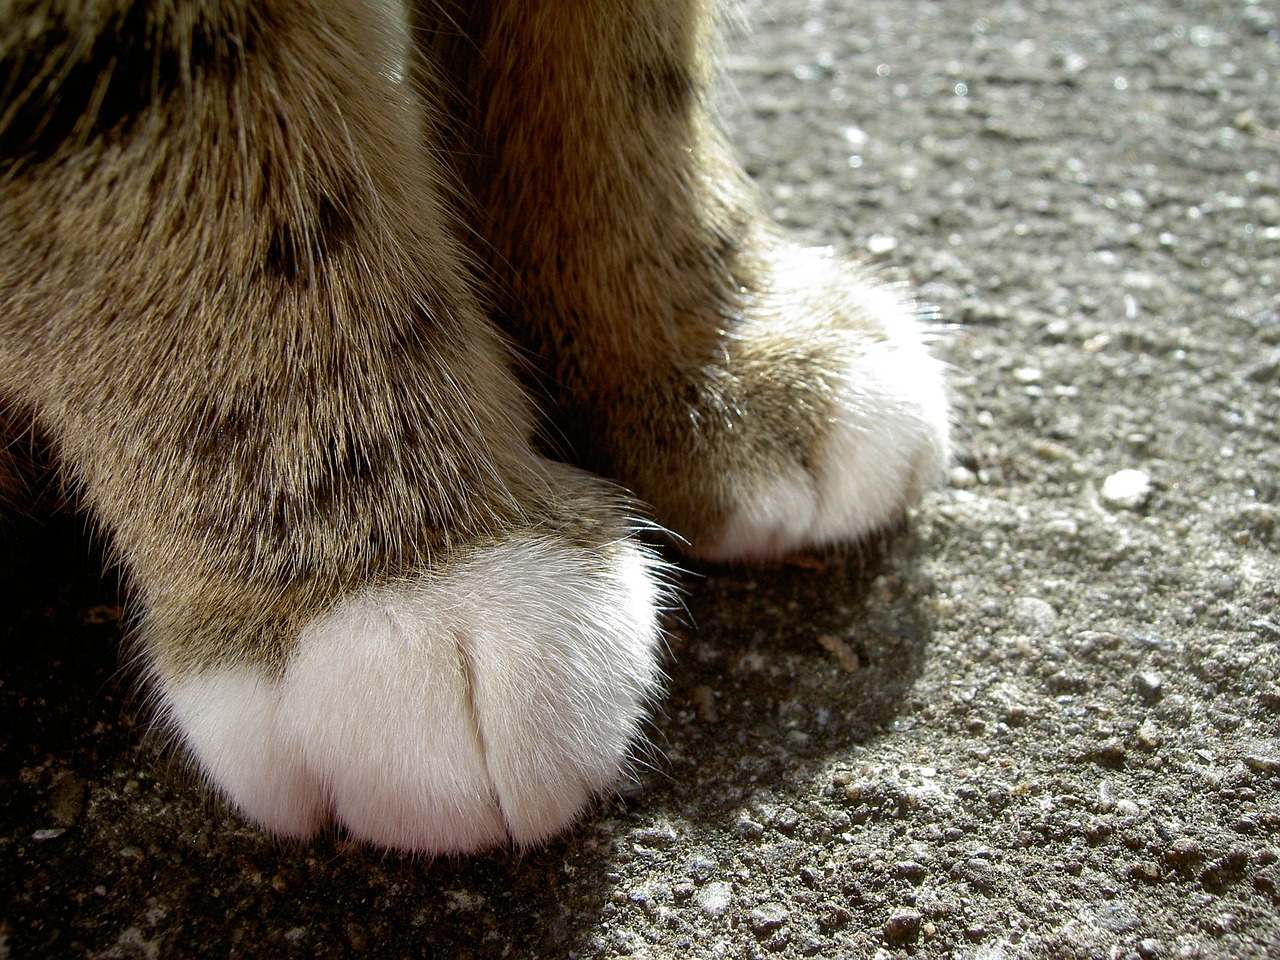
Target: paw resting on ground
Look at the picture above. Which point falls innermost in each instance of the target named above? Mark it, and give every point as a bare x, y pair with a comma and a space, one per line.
816, 416
841, 365
482, 703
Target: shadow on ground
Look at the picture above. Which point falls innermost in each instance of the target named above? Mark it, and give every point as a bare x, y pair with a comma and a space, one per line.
111, 849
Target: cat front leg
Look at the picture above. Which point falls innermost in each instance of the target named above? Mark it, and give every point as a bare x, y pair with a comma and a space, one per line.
233, 300
762, 397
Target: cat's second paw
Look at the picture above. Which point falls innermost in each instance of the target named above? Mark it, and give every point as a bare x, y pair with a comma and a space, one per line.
838, 412
812, 415
481, 703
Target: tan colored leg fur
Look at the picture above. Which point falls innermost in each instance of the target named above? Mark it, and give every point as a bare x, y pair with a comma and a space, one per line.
686, 348
242, 317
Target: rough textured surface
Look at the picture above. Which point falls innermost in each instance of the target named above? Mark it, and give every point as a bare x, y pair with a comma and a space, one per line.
1042, 723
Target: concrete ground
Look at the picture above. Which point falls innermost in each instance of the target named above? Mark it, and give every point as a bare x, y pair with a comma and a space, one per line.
1041, 723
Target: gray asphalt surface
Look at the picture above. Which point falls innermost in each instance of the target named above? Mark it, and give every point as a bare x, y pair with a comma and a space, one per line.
1042, 722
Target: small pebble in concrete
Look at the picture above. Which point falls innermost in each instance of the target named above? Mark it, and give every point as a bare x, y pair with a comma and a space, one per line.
766, 918
1150, 685
1126, 489
1028, 375
1111, 754
910, 870
1033, 615
1149, 735
714, 898
1265, 763
844, 654
903, 926
701, 867
878, 244
704, 698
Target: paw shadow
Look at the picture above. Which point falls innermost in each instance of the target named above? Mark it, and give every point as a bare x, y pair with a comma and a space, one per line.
778, 670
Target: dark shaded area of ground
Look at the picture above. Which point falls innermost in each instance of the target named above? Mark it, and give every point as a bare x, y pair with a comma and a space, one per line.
1045, 723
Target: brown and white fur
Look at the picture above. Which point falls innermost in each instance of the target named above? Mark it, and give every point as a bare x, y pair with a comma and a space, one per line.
261, 266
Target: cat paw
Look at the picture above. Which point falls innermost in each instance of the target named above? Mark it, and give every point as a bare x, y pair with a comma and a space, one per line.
851, 415
479, 704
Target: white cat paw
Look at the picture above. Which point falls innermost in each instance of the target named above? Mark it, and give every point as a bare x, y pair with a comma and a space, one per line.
483, 703
884, 442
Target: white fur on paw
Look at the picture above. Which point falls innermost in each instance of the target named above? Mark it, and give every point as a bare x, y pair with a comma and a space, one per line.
484, 702
887, 442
